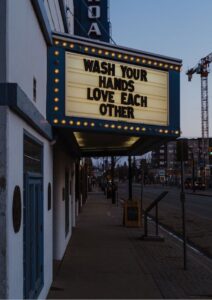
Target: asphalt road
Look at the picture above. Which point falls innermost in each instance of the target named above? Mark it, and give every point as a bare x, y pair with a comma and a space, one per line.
198, 212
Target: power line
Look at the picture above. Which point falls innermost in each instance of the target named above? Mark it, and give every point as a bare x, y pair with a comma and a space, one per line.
77, 20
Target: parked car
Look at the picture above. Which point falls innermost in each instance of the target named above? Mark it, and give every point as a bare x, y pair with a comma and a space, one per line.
199, 184
188, 183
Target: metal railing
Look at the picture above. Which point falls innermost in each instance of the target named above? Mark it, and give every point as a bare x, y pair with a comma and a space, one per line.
147, 210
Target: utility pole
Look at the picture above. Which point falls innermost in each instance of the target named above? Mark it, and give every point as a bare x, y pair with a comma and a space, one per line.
130, 177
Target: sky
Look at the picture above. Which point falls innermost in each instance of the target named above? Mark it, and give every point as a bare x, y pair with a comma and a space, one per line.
176, 28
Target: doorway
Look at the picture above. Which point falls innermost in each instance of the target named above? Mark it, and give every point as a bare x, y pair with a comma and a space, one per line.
33, 218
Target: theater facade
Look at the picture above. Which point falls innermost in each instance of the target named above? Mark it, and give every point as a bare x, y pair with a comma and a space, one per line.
64, 98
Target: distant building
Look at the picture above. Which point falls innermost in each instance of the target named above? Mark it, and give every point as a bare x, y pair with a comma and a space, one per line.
164, 160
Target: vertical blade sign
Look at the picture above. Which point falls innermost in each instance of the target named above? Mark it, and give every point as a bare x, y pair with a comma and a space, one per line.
91, 19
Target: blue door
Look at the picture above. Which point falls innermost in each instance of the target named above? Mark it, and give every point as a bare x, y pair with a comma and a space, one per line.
33, 235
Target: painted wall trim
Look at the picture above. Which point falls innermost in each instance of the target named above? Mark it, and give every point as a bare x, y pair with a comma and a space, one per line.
13, 96
3, 41
63, 14
40, 12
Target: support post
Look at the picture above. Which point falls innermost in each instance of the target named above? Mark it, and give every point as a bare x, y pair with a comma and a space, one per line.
182, 198
142, 186
193, 173
113, 184
156, 220
130, 177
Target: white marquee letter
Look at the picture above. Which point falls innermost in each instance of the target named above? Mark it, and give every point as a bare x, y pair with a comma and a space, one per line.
95, 29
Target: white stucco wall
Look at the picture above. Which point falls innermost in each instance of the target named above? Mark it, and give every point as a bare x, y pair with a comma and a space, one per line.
27, 51
15, 177
62, 162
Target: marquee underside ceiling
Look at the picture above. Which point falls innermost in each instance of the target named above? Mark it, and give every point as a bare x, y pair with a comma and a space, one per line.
89, 144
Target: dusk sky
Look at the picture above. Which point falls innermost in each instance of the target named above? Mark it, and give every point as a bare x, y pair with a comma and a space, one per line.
176, 28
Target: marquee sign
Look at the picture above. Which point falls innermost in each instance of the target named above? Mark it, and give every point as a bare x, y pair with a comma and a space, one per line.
115, 91
101, 87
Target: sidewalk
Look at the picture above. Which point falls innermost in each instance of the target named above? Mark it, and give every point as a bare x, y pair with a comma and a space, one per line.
106, 260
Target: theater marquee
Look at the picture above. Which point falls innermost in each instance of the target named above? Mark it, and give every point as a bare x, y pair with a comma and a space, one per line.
99, 87
115, 91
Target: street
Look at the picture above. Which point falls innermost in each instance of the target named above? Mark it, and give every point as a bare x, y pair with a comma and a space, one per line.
198, 212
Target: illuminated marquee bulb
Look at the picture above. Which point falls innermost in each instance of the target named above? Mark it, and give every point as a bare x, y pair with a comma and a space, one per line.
56, 71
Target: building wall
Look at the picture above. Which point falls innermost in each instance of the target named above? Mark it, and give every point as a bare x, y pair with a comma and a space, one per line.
15, 137
27, 51
62, 161
3, 201
3, 48
23, 58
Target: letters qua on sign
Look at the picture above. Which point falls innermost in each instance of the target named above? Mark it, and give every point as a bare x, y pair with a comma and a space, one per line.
97, 88
108, 84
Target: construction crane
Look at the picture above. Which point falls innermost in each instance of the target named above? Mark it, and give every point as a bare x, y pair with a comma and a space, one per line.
202, 68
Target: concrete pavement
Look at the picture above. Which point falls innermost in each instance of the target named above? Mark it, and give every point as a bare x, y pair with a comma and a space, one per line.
106, 260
